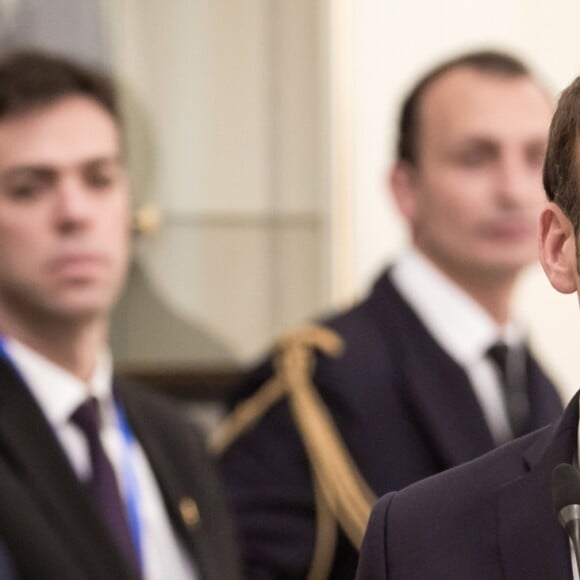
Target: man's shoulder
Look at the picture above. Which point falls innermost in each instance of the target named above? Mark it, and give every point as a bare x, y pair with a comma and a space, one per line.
365, 347
443, 526
460, 491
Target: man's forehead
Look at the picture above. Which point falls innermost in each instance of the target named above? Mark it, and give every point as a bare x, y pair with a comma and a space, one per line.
70, 131
467, 100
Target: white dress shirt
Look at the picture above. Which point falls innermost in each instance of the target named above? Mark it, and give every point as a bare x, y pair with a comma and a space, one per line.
463, 329
58, 394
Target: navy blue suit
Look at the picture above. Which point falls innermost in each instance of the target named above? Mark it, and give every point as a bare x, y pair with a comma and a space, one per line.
489, 519
405, 411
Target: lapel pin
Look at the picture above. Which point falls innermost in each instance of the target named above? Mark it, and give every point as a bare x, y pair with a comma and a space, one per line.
189, 512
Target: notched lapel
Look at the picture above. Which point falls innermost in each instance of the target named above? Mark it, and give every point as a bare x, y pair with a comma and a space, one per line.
181, 485
448, 411
181, 506
443, 403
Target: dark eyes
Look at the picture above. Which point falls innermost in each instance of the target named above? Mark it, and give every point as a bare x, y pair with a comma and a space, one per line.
480, 157
535, 157
30, 185
101, 179
26, 189
474, 158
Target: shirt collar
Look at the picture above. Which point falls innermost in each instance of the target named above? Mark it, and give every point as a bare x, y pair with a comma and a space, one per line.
462, 327
57, 391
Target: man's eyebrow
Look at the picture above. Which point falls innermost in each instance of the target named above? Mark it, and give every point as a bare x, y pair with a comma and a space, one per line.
477, 141
105, 160
49, 169
537, 142
37, 170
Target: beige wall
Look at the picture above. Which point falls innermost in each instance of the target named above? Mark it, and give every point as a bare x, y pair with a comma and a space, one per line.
225, 134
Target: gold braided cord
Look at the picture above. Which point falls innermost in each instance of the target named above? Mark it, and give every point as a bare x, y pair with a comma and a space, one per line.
247, 413
313, 337
343, 487
245, 416
342, 493
326, 538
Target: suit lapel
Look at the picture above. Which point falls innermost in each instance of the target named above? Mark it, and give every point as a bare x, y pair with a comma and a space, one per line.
532, 543
30, 446
448, 411
176, 492
444, 404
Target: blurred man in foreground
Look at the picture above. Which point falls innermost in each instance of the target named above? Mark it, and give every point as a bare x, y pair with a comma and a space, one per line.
98, 480
494, 518
430, 370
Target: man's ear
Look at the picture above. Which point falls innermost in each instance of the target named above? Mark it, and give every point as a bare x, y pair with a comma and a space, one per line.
558, 249
402, 179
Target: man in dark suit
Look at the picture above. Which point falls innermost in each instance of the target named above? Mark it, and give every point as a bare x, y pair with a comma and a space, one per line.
493, 518
98, 479
418, 377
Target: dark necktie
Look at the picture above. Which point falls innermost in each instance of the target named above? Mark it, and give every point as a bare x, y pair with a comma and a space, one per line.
102, 485
513, 388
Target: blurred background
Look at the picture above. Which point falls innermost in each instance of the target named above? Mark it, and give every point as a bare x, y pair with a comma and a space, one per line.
259, 133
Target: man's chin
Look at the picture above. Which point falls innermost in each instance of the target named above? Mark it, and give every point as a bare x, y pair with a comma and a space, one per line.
79, 309
505, 269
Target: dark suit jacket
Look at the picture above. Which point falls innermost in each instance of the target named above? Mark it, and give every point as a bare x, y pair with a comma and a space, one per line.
405, 410
7, 571
47, 522
489, 519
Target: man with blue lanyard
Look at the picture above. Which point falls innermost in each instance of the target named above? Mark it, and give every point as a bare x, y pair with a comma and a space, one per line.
98, 480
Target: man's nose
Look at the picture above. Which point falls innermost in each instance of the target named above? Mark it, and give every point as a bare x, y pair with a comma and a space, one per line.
72, 205
516, 181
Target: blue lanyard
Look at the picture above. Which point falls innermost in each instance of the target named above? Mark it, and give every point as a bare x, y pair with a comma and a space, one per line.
4, 355
130, 484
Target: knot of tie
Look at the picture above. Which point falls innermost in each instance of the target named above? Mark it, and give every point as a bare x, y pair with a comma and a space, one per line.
87, 418
498, 353
513, 387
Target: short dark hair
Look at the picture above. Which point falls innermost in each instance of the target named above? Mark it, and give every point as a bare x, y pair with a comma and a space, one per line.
31, 80
486, 61
561, 171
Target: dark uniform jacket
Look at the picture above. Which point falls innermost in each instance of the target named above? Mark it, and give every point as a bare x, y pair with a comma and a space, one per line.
490, 519
47, 523
404, 409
